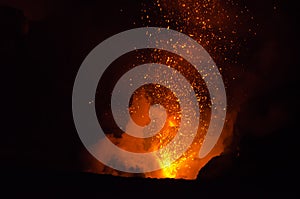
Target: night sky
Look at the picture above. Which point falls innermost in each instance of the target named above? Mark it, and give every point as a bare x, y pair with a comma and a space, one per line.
43, 44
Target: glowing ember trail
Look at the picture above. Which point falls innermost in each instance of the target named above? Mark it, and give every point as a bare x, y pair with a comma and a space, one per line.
213, 24
216, 26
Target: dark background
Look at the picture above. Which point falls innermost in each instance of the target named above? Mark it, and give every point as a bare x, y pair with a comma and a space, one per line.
42, 46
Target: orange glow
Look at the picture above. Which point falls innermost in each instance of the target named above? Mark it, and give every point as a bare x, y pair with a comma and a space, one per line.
212, 24
171, 123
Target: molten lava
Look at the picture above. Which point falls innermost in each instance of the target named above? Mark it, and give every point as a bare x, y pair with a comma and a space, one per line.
213, 24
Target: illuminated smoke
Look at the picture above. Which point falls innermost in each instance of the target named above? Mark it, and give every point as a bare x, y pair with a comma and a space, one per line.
219, 26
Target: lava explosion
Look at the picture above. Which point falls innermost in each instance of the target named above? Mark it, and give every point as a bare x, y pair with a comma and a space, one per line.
216, 26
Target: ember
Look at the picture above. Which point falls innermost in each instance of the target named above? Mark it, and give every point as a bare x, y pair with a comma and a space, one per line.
212, 24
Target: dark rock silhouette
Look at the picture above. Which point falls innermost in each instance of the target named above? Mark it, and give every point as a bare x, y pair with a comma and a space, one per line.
39, 145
